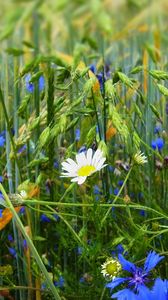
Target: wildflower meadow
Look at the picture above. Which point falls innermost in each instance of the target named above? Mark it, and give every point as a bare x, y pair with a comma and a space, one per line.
84, 150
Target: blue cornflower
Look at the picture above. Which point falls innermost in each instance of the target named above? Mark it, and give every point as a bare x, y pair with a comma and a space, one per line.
22, 210
119, 249
101, 80
157, 129
142, 213
110, 168
45, 219
23, 148
160, 290
166, 108
60, 283
116, 191
140, 195
2, 141
107, 71
3, 133
43, 286
25, 244
159, 143
79, 250
93, 68
1, 179
139, 276
10, 238
30, 85
153, 145
143, 293
41, 83
127, 294
82, 280
120, 182
77, 134
56, 164
1, 211
12, 251
56, 217
97, 192
2, 201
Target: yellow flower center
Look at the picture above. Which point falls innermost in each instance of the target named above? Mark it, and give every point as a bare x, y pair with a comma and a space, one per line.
112, 268
86, 170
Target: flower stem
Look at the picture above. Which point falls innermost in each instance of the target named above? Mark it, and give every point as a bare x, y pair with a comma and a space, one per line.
116, 198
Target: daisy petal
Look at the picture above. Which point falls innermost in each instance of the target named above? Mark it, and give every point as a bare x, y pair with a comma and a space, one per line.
81, 159
72, 163
100, 163
97, 156
89, 156
74, 179
68, 174
98, 169
66, 166
81, 179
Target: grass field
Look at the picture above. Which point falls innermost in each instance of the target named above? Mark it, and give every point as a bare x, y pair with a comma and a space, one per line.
84, 150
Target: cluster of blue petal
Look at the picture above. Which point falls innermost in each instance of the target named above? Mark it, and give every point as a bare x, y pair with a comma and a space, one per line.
138, 278
157, 144
30, 85
101, 76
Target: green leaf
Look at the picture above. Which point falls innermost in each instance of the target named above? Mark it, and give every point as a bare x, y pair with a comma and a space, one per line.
37, 162
14, 51
39, 238
86, 110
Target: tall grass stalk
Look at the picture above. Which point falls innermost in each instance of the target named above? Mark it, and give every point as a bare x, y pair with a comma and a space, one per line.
30, 245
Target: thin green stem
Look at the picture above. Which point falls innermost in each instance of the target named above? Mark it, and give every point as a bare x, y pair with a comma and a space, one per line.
116, 198
31, 245
110, 205
9, 131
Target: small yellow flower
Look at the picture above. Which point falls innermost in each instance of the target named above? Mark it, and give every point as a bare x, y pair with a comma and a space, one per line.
140, 158
127, 199
111, 268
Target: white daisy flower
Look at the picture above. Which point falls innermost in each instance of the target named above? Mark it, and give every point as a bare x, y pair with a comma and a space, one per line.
111, 268
86, 164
